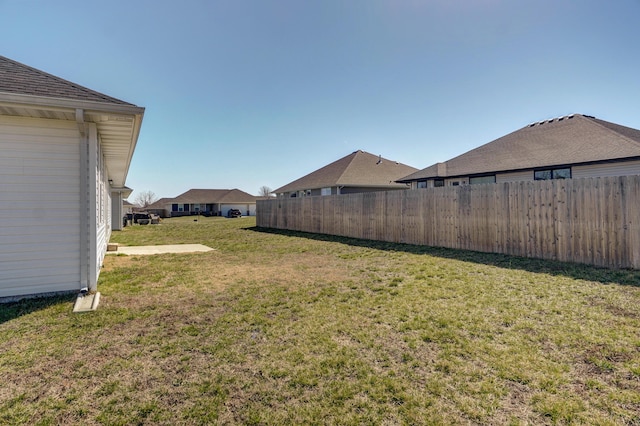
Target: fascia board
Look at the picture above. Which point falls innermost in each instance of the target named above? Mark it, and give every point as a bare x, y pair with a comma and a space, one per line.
66, 104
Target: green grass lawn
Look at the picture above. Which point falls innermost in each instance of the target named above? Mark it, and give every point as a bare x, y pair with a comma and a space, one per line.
292, 328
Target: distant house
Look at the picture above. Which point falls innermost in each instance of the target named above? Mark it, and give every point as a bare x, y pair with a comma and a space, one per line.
210, 202
65, 152
357, 172
572, 146
159, 207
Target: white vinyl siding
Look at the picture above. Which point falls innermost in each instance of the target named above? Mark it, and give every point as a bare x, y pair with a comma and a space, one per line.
103, 210
608, 169
39, 206
117, 211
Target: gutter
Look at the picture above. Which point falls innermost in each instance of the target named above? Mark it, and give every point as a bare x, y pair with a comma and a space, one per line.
62, 104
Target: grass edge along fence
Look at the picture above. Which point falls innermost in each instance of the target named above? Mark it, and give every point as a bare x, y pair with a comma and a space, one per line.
594, 221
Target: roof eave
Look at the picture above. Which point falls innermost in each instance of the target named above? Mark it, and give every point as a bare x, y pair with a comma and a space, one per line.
393, 184
63, 103
65, 108
522, 169
124, 190
134, 141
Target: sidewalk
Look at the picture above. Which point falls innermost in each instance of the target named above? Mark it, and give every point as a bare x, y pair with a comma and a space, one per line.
147, 250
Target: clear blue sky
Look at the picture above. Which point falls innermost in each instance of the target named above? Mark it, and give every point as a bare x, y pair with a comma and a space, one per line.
241, 94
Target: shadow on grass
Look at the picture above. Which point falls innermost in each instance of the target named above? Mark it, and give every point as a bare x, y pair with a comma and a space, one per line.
572, 270
13, 310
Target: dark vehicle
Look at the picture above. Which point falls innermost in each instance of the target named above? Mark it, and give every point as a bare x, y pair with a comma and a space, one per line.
234, 213
139, 218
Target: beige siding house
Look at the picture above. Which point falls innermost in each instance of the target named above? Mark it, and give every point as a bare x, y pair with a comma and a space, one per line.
65, 152
355, 173
572, 146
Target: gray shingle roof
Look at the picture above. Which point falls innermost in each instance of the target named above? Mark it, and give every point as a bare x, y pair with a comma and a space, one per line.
356, 169
566, 140
22, 79
204, 196
160, 204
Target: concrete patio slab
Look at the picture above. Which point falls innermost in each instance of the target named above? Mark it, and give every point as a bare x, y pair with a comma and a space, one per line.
170, 248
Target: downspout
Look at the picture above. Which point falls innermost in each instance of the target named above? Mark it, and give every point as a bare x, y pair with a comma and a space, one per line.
88, 298
84, 200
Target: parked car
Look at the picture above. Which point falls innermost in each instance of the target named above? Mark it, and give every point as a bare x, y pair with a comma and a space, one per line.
234, 213
141, 218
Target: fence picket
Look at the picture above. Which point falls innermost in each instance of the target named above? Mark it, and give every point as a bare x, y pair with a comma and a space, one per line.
592, 220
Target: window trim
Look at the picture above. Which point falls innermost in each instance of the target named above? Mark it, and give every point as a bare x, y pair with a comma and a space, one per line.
493, 175
552, 171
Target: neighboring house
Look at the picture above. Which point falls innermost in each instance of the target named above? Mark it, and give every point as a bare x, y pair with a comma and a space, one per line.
65, 152
211, 202
572, 146
357, 172
159, 207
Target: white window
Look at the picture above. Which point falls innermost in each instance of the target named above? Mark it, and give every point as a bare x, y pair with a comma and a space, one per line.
325, 191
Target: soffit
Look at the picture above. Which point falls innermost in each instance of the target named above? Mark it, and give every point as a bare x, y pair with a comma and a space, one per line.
118, 126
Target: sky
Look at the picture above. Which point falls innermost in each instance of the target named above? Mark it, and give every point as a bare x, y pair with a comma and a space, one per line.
245, 94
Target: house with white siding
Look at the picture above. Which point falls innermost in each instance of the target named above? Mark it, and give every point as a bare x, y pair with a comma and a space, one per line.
210, 202
573, 146
65, 152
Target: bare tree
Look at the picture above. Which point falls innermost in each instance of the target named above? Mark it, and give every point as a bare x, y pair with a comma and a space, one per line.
264, 191
145, 198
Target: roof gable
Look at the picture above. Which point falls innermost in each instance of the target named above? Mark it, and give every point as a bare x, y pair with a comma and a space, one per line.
21, 79
359, 168
566, 140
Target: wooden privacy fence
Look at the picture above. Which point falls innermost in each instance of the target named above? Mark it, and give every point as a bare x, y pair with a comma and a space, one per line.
594, 221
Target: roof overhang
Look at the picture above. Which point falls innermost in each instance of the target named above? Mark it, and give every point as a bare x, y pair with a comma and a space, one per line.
125, 191
391, 185
118, 125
